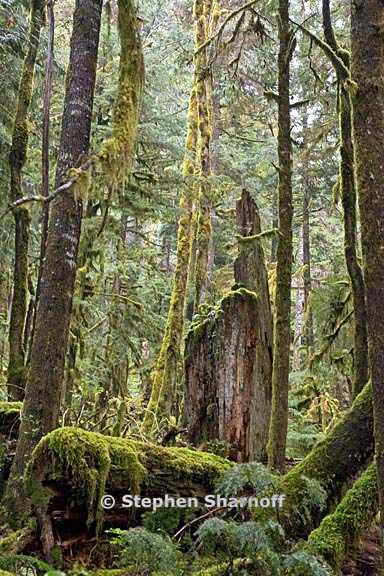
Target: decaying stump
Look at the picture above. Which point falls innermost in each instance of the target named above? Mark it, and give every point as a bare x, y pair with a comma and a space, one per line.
229, 355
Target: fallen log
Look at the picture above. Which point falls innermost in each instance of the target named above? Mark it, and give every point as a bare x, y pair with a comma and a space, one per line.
71, 470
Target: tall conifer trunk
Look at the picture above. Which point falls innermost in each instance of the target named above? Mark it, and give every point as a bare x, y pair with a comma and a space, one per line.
282, 332
368, 73
348, 198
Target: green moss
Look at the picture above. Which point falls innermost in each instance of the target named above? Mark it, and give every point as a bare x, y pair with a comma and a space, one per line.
208, 315
331, 463
87, 458
4, 573
10, 408
339, 531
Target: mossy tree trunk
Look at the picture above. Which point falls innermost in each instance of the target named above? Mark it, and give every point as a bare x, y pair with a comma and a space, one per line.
282, 332
167, 375
45, 384
368, 73
206, 19
229, 356
348, 197
17, 159
339, 532
334, 461
307, 274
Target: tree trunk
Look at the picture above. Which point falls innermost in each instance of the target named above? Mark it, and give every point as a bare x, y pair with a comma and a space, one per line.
338, 533
368, 72
204, 154
282, 333
348, 196
307, 275
165, 394
229, 356
333, 462
45, 385
47, 94
17, 159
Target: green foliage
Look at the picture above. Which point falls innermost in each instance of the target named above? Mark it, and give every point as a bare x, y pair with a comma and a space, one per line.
251, 476
302, 564
22, 564
145, 551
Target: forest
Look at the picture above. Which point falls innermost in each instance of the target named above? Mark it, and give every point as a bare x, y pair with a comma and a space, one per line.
191, 287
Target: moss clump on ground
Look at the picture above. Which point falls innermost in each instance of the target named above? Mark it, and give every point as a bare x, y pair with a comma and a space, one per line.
339, 531
9, 417
4, 573
10, 407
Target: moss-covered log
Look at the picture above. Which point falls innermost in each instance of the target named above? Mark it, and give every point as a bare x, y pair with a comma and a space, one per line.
339, 532
71, 470
332, 463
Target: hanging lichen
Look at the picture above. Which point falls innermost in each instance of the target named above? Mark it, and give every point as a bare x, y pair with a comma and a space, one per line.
116, 155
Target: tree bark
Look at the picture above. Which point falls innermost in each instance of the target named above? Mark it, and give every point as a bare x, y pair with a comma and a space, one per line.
45, 385
45, 164
338, 533
368, 73
229, 356
204, 26
348, 197
282, 333
17, 158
